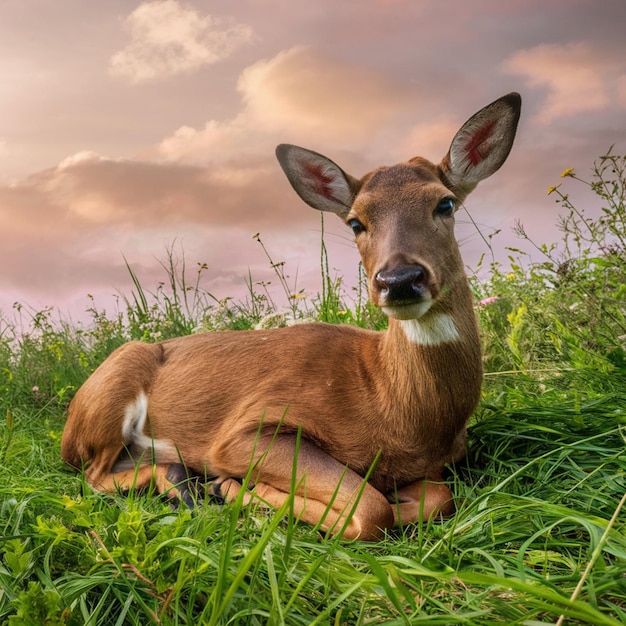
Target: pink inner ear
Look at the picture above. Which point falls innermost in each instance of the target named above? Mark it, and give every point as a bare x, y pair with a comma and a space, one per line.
319, 182
478, 138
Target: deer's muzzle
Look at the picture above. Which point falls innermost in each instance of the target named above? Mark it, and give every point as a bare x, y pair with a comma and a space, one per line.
402, 285
404, 291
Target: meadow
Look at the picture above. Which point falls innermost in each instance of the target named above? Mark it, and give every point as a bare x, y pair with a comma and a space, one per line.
540, 532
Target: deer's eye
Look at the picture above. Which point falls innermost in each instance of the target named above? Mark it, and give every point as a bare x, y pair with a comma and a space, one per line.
446, 207
356, 226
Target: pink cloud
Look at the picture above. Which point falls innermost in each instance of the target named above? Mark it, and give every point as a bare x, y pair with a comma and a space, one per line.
68, 228
578, 76
302, 96
431, 139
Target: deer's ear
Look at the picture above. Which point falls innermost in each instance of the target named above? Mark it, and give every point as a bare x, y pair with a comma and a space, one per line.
317, 180
482, 144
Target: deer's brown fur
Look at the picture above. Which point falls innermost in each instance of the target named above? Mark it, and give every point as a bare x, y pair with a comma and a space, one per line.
222, 402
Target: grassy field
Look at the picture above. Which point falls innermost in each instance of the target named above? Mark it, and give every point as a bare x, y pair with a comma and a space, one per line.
540, 532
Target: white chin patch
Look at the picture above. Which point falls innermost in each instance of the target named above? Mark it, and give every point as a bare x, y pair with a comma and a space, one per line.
408, 311
431, 330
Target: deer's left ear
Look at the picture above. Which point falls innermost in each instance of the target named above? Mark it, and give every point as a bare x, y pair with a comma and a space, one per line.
482, 144
321, 183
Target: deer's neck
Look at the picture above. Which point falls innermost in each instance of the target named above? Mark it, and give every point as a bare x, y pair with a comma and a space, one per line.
434, 364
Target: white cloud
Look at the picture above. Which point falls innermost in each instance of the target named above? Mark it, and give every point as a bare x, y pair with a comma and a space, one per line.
168, 38
579, 77
84, 156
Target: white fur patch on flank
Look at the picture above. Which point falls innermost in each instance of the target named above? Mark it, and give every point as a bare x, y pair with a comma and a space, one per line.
431, 330
133, 434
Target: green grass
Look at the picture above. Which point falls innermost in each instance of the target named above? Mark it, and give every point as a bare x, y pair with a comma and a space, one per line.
540, 530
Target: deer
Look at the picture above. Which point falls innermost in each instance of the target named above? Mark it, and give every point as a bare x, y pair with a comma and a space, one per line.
351, 427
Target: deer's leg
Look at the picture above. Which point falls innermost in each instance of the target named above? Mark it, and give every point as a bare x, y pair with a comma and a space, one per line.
326, 491
420, 501
427, 498
169, 479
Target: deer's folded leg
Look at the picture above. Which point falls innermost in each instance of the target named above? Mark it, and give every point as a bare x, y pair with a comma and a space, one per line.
327, 493
421, 501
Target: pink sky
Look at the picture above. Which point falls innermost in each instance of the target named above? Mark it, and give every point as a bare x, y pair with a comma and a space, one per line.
128, 126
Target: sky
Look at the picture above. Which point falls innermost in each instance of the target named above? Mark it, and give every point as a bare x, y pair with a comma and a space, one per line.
129, 128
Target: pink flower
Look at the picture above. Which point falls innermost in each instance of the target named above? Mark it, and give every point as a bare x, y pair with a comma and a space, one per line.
35, 389
487, 301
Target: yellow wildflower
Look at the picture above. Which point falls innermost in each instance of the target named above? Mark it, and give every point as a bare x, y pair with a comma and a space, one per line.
510, 276
552, 189
568, 172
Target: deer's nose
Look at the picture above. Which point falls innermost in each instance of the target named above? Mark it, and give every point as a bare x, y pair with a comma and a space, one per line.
406, 283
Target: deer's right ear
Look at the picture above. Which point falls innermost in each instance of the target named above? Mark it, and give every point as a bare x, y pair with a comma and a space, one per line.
482, 144
317, 180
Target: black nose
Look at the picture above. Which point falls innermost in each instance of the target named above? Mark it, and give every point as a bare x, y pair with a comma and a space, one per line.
406, 283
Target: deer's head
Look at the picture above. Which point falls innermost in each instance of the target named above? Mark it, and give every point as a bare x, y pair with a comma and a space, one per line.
403, 216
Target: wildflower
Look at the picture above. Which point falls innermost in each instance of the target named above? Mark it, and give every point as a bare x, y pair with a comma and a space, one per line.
487, 301
82, 359
568, 172
510, 276
552, 189
35, 389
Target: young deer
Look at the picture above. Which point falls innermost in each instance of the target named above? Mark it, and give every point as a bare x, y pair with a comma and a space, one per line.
315, 403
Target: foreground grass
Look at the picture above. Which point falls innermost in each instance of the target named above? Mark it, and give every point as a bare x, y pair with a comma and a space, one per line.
540, 532
535, 499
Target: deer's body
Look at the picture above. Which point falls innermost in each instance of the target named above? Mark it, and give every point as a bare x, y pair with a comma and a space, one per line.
219, 402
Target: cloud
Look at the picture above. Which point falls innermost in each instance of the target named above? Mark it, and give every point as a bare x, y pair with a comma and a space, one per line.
579, 77
300, 96
168, 38
320, 96
67, 229
431, 140
211, 188
621, 89
88, 190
